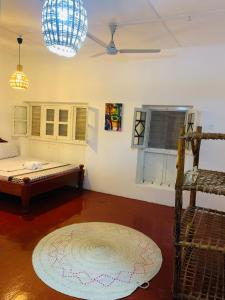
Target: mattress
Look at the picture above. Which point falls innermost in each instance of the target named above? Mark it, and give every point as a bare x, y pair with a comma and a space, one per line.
12, 169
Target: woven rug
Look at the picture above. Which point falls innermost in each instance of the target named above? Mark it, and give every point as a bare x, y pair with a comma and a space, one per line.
96, 261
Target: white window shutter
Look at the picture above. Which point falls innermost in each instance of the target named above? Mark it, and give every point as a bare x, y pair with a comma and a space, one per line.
20, 120
64, 123
49, 126
192, 120
141, 125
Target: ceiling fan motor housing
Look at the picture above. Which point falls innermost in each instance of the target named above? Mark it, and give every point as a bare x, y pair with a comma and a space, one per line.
20, 40
111, 49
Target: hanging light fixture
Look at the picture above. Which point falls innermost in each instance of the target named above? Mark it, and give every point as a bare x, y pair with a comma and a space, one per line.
18, 79
64, 26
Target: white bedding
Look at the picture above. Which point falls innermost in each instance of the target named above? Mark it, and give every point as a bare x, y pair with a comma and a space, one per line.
15, 163
14, 166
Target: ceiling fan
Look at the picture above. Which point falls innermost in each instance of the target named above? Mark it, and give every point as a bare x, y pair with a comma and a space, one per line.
111, 48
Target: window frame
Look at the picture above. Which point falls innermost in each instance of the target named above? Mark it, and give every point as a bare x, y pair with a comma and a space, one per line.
20, 120
140, 170
74, 112
57, 106
146, 128
148, 109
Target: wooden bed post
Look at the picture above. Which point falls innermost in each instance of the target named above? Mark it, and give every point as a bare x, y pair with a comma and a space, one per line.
178, 209
195, 145
81, 178
25, 199
26, 195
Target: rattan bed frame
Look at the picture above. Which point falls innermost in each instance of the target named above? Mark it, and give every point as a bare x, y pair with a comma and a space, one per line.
28, 189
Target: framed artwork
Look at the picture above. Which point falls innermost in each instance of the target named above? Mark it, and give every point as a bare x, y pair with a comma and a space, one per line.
113, 116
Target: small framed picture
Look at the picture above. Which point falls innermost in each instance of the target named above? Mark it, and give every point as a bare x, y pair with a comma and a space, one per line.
113, 116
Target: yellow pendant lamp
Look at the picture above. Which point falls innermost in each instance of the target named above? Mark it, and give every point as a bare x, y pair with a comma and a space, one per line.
18, 79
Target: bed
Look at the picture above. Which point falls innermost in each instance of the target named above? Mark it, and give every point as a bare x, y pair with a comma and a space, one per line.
25, 177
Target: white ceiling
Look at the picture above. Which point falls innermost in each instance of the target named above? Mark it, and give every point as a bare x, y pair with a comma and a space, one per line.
142, 23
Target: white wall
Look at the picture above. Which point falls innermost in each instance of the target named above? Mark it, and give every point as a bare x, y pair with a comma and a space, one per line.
193, 76
5, 103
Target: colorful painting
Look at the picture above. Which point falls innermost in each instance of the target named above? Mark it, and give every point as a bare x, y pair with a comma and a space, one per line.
113, 116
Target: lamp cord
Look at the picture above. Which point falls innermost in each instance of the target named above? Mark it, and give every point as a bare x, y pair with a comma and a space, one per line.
19, 54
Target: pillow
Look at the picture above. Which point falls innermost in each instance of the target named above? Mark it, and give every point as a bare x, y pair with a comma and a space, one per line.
8, 150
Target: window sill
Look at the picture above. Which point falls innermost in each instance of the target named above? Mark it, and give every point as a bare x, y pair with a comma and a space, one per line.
157, 186
164, 151
81, 143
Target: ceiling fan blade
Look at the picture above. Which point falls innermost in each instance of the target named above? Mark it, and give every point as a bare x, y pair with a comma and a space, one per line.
139, 50
97, 40
99, 54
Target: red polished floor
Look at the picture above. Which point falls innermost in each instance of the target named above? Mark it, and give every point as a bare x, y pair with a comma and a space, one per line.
20, 233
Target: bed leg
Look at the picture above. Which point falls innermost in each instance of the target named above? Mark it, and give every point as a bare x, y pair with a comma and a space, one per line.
81, 178
25, 199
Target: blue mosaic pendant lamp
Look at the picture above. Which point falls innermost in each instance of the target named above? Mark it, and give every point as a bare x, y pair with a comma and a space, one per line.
64, 26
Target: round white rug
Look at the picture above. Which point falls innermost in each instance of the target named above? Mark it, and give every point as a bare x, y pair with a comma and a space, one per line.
96, 261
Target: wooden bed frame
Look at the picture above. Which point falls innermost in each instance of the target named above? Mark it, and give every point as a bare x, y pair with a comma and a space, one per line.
28, 189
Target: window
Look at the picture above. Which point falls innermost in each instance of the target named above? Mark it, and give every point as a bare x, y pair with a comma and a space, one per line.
155, 133
58, 122
164, 129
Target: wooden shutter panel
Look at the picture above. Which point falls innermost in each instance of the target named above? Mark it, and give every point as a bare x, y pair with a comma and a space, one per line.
140, 128
36, 120
81, 123
192, 120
